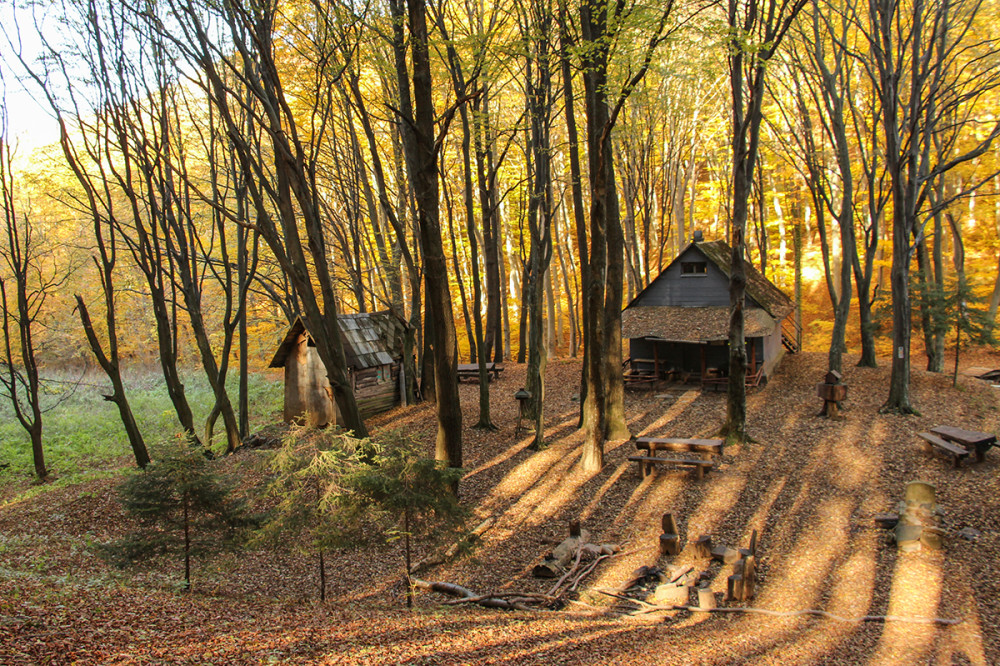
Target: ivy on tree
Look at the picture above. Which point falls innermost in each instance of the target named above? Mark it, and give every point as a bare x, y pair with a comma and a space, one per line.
183, 506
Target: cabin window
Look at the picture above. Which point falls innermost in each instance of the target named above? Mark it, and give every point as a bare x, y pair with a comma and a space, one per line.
694, 268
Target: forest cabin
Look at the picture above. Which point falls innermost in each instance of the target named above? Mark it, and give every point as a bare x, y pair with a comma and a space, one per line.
678, 326
373, 345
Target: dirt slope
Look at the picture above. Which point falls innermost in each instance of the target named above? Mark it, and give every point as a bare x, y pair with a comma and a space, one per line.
809, 487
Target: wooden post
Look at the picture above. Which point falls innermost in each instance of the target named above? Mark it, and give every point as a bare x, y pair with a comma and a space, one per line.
753, 357
701, 348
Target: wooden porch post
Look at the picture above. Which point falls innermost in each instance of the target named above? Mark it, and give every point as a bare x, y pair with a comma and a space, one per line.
701, 348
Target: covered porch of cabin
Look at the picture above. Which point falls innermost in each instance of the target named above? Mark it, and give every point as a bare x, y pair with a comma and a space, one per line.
654, 362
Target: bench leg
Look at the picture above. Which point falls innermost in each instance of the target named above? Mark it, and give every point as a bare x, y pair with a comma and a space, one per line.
699, 472
957, 461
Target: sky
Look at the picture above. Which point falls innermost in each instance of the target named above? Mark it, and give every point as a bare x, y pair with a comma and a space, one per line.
30, 121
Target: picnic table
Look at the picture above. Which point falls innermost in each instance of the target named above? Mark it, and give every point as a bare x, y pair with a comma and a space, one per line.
654, 444
974, 442
471, 371
681, 444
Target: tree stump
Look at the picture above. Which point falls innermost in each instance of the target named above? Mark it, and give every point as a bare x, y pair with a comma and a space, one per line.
919, 519
701, 548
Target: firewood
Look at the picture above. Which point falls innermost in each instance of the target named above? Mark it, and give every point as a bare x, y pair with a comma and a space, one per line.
700, 548
725, 554
735, 588
706, 599
670, 541
749, 577
674, 574
670, 544
556, 562
886, 520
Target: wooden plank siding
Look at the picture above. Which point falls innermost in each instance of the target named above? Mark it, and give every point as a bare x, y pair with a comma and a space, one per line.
674, 288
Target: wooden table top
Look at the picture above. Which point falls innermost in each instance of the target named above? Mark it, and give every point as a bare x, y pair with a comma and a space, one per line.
473, 367
962, 436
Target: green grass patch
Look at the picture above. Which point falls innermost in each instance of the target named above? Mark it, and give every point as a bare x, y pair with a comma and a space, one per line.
83, 437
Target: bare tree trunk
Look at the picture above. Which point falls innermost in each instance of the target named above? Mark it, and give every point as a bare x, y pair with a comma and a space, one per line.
421, 145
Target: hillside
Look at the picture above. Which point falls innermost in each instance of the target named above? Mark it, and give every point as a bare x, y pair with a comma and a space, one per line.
810, 487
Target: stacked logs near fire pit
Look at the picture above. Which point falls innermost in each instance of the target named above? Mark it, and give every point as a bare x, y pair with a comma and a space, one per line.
673, 585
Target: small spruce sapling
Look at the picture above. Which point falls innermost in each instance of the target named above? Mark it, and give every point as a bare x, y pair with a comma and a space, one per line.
314, 508
182, 504
410, 493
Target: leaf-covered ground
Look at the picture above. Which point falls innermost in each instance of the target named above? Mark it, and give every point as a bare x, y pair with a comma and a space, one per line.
809, 486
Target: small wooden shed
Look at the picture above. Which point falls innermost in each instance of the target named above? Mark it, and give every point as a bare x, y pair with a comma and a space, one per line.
678, 326
373, 345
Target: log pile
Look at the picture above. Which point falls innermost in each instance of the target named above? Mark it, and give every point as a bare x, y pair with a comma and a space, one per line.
571, 561
569, 554
687, 586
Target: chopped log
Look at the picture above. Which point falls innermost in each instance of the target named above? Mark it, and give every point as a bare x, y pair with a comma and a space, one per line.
749, 577
706, 599
670, 544
639, 575
753, 543
670, 541
886, 520
560, 557
700, 548
668, 524
734, 587
669, 594
676, 574
725, 554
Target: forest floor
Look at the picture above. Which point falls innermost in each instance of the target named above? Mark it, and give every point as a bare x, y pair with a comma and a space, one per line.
809, 486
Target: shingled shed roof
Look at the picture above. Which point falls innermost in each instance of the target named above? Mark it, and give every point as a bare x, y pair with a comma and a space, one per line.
698, 325
759, 288
370, 339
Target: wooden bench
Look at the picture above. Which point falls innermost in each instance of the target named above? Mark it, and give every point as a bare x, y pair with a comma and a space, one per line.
646, 463
932, 441
470, 371
653, 444
974, 442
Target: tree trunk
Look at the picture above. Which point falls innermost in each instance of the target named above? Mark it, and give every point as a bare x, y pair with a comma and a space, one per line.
421, 147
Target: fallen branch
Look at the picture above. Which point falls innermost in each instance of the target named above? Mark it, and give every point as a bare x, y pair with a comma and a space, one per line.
506, 601
650, 608
586, 572
440, 558
569, 572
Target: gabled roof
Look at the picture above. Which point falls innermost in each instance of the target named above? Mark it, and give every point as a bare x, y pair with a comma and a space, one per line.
759, 288
698, 325
370, 339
